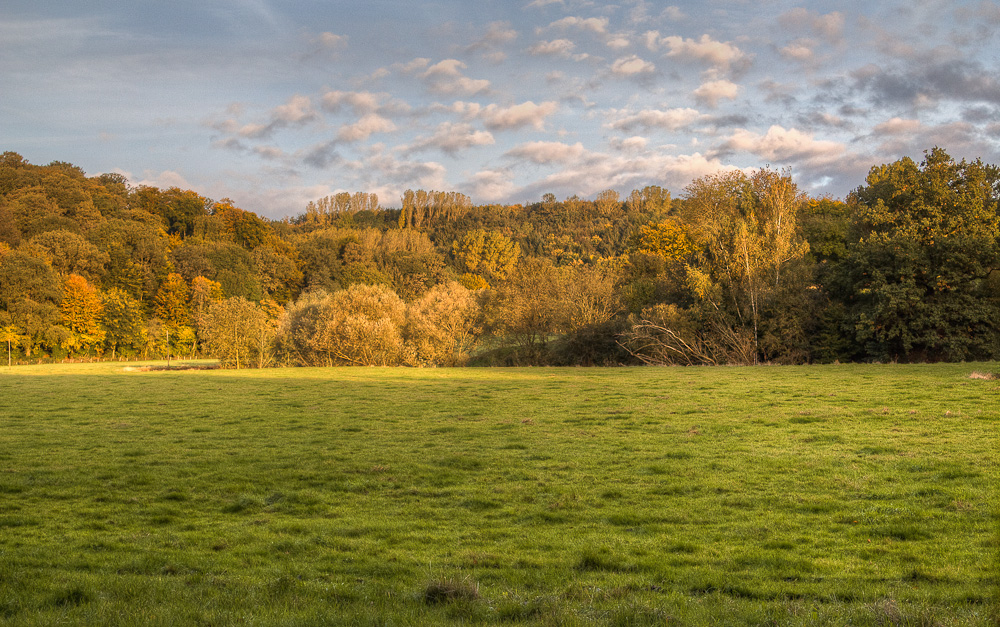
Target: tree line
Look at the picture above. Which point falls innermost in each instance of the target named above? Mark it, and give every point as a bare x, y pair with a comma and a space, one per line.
742, 268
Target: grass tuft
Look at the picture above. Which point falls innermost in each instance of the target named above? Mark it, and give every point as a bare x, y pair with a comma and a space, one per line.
448, 589
71, 597
985, 376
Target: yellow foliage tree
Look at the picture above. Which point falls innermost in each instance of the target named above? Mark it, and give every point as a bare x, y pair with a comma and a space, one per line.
10, 335
668, 239
81, 309
171, 301
747, 228
443, 325
489, 254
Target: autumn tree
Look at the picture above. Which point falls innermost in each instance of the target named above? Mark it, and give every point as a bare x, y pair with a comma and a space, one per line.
746, 226
204, 292
238, 333
652, 201
670, 240
10, 335
443, 325
525, 310
172, 301
244, 227
490, 255
608, 202
362, 326
81, 309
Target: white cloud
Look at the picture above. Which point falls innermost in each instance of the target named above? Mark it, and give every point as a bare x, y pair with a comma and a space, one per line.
671, 119
595, 172
445, 77
253, 130
547, 152
651, 39
498, 33
516, 116
597, 25
897, 126
674, 13
799, 50
271, 153
452, 138
541, 3
298, 110
781, 145
490, 186
829, 26
633, 144
414, 65
631, 66
719, 54
361, 102
556, 47
712, 92
618, 42
365, 127
405, 174
331, 41
164, 180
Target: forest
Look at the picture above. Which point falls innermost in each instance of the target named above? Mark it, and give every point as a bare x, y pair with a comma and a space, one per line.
740, 268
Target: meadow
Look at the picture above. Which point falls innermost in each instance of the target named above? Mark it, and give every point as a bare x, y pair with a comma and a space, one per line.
812, 495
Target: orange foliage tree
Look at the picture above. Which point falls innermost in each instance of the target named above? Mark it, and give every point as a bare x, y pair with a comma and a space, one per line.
81, 309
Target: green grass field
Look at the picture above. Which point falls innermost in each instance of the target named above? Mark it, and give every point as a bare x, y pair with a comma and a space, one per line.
823, 495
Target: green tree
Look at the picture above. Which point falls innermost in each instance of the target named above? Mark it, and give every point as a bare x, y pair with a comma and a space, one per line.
917, 280
244, 227
34, 212
70, 253
123, 322
203, 293
280, 279
137, 246
298, 328
180, 209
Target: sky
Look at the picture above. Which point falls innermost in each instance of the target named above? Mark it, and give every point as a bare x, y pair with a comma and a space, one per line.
276, 103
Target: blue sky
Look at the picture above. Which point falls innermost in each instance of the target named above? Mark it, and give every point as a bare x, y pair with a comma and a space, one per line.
274, 104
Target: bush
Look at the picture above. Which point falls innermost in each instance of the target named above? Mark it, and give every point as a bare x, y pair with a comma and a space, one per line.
359, 326
443, 325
